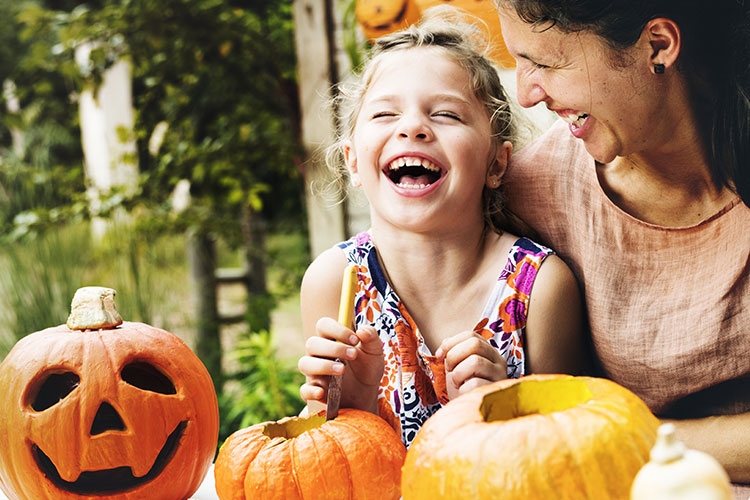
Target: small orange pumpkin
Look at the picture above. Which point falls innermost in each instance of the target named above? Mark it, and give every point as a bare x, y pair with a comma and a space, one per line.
104, 408
541, 436
486, 12
356, 456
380, 17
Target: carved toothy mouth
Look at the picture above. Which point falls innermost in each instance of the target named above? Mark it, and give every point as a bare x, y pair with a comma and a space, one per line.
109, 480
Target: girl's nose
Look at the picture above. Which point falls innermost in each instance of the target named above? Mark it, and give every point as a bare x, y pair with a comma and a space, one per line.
530, 92
414, 126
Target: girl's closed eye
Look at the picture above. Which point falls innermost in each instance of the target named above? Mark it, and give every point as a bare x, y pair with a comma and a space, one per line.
383, 114
448, 114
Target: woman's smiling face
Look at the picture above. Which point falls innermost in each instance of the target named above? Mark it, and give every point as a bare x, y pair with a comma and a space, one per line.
422, 140
614, 108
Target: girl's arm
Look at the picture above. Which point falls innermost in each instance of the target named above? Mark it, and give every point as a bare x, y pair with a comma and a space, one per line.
724, 437
327, 340
554, 340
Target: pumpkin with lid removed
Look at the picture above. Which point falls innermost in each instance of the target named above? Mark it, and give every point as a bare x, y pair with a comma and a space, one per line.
355, 456
104, 408
537, 437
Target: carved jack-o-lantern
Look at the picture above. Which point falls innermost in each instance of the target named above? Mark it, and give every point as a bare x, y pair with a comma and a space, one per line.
103, 408
380, 17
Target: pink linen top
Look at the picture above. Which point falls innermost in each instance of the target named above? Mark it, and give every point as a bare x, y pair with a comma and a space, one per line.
668, 308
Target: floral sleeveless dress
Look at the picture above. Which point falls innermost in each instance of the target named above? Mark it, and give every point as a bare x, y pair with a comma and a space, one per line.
413, 384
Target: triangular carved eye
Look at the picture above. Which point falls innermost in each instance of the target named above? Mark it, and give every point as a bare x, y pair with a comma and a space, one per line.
106, 419
147, 377
54, 388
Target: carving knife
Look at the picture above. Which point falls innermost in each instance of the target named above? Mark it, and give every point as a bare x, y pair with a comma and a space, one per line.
346, 318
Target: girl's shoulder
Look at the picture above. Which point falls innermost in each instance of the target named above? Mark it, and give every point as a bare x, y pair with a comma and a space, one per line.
525, 246
357, 249
324, 273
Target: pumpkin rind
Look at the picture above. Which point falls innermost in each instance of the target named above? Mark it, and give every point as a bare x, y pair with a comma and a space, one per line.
591, 450
63, 431
380, 17
354, 456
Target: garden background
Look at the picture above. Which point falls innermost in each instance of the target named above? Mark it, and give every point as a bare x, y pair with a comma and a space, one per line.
172, 150
157, 148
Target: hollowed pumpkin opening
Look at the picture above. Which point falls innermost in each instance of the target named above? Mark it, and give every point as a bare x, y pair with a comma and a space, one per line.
293, 427
534, 397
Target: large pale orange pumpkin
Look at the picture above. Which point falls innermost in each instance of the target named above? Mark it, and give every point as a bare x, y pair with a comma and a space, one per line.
538, 437
113, 410
356, 456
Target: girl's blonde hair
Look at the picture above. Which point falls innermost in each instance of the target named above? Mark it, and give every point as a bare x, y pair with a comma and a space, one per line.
448, 29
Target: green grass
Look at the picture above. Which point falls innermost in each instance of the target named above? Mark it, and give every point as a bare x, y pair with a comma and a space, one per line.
39, 276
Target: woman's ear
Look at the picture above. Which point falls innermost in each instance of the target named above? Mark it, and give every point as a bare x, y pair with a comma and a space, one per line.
499, 165
350, 160
664, 40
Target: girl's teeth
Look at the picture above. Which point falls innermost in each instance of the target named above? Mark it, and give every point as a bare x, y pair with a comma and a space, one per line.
412, 186
410, 161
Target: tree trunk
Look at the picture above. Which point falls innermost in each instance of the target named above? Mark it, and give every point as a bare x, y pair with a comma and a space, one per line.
259, 301
202, 260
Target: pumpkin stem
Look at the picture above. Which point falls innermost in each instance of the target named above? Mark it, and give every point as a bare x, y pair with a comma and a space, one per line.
667, 448
93, 308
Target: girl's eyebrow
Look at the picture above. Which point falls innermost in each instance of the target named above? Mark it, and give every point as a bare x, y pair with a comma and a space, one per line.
440, 98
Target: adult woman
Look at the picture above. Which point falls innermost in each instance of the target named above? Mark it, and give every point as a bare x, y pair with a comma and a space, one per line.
643, 188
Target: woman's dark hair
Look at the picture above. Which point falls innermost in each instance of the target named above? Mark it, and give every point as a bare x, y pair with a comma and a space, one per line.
715, 59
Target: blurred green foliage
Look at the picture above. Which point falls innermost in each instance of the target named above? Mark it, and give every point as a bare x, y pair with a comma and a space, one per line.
219, 74
264, 388
219, 77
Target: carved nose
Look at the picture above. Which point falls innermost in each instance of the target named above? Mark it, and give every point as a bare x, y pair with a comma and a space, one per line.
106, 419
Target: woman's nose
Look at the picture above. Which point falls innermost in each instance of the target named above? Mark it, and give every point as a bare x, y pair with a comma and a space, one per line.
414, 126
530, 92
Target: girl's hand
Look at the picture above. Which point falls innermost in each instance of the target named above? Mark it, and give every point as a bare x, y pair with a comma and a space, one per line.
363, 352
470, 361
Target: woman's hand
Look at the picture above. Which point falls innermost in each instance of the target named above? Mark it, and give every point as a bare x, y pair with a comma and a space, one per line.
470, 361
362, 352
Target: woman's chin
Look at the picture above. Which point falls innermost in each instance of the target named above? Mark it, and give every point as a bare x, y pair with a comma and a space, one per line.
601, 155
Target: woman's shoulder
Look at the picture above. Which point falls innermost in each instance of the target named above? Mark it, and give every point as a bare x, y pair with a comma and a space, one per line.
548, 152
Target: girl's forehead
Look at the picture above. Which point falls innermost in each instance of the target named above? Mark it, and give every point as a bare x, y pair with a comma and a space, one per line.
411, 67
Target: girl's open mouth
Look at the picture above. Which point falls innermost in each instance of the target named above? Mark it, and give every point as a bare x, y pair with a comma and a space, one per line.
411, 172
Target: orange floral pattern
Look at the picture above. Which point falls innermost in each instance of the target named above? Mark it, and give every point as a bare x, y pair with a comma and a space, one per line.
413, 383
